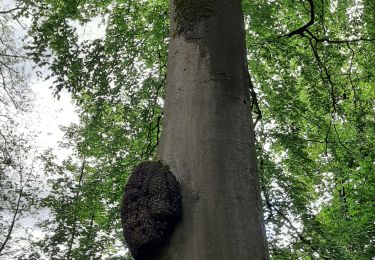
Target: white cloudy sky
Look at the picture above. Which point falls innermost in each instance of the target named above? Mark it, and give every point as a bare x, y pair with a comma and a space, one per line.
49, 114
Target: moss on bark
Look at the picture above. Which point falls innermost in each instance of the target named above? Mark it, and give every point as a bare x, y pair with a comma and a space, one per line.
190, 13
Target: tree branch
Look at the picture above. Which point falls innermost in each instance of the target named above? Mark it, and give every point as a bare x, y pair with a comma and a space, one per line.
338, 41
16, 212
255, 103
10, 10
299, 235
302, 29
14, 56
71, 240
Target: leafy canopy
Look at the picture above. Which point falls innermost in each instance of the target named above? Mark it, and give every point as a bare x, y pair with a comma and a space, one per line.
312, 68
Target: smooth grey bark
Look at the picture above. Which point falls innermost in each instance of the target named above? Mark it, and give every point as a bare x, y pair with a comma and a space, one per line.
208, 141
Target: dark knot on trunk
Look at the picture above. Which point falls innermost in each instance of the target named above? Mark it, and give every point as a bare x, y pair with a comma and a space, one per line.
151, 208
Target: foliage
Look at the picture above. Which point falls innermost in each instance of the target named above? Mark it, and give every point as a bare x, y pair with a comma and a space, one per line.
82, 216
312, 68
316, 134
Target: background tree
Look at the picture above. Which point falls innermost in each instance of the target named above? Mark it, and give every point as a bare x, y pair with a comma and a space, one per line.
316, 123
78, 227
19, 184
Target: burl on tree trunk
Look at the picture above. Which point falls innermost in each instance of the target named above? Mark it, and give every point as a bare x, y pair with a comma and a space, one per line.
151, 208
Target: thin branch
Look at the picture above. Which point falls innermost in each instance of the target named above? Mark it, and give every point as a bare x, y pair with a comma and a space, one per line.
10, 10
357, 100
157, 126
71, 240
14, 56
326, 40
150, 147
6, 89
338, 41
326, 72
5, 147
254, 101
302, 29
305, 29
10, 230
299, 235
9, 47
322, 67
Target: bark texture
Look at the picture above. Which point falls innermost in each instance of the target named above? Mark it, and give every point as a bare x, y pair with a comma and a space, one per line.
207, 139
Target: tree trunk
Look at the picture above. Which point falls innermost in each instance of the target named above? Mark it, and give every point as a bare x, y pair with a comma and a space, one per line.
207, 138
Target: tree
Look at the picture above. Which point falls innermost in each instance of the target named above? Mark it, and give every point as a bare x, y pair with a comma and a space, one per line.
311, 64
19, 183
208, 139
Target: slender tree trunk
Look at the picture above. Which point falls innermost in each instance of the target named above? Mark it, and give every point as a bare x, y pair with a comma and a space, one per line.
15, 215
74, 228
207, 138
14, 219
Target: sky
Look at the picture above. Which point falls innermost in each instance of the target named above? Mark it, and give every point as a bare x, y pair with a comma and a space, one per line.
49, 114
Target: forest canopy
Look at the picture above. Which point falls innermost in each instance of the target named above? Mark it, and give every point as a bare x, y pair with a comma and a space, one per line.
312, 68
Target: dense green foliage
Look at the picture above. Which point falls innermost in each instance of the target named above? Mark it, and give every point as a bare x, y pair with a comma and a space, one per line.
312, 65
316, 92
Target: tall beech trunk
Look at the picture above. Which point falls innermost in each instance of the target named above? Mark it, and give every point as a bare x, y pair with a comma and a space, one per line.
207, 138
